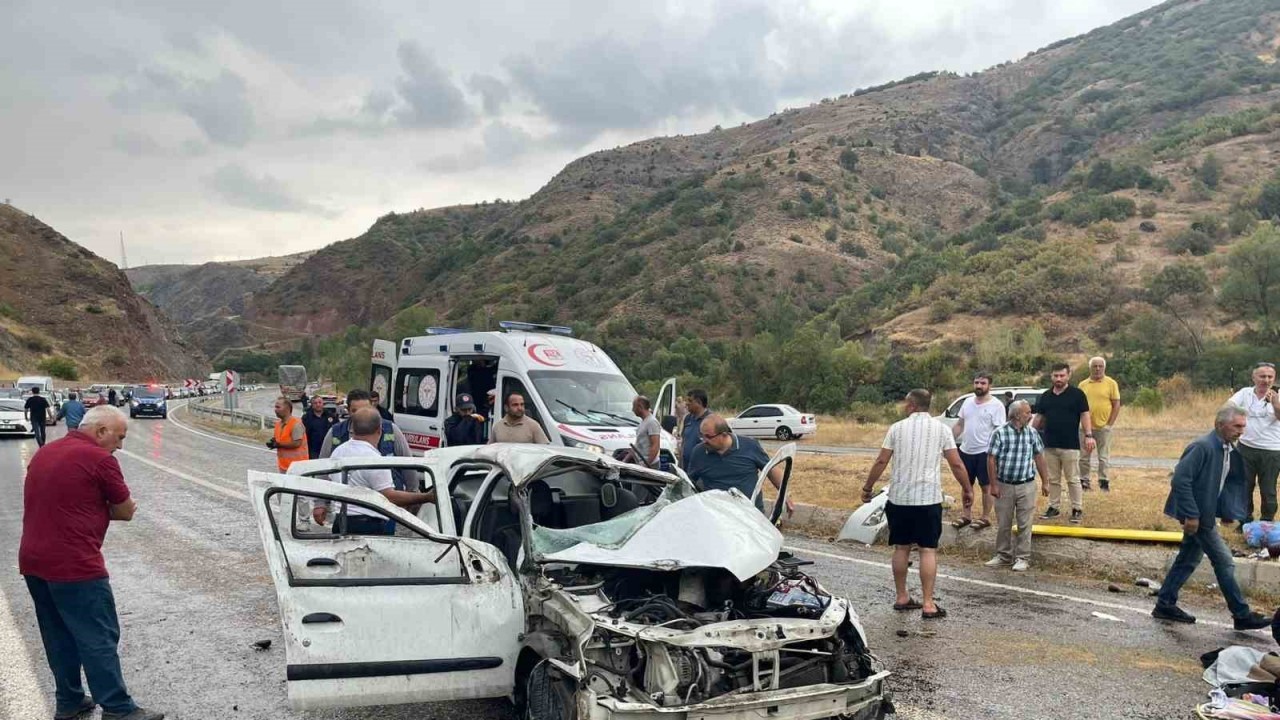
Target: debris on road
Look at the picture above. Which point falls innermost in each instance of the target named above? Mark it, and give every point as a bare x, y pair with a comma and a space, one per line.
1114, 588
262, 644
1104, 616
1148, 583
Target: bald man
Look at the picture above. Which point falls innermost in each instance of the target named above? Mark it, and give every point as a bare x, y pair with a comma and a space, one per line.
724, 460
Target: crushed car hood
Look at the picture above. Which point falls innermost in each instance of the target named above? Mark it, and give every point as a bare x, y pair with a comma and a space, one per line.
715, 529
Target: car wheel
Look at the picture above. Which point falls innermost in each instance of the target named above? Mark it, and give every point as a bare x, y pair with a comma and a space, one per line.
164, 415
550, 695
783, 433
133, 415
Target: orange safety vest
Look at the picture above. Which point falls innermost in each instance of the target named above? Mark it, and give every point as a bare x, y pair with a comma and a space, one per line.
284, 435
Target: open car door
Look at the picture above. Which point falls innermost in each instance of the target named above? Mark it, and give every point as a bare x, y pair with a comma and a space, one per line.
664, 406
785, 457
384, 619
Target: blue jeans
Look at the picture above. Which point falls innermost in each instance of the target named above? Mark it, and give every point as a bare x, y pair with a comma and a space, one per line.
79, 628
1205, 541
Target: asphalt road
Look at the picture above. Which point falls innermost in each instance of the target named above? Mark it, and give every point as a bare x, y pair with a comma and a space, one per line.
193, 592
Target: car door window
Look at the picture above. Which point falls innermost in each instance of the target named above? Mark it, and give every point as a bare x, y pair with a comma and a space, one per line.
770, 412
323, 559
750, 413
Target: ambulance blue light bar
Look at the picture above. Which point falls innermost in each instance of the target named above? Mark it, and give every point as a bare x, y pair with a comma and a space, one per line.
536, 327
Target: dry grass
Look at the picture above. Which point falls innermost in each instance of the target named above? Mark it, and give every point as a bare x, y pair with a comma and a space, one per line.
226, 428
1140, 433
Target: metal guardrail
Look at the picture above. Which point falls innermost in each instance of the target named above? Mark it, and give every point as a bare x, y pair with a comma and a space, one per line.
211, 407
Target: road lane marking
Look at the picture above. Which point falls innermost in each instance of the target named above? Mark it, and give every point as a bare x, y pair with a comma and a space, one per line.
214, 437
1008, 588
184, 476
17, 674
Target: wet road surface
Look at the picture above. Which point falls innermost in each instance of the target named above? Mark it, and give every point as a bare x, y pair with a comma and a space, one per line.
193, 592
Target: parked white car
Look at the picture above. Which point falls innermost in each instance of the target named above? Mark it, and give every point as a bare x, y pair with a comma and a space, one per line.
13, 419
774, 421
1007, 395
578, 586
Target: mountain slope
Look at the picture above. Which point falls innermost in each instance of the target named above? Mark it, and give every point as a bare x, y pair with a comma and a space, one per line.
57, 299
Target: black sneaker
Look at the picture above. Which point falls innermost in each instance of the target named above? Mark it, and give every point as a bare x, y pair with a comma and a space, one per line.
1254, 621
1173, 613
1104, 485
1050, 514
138, 714
85, 709
1085, 484
1076, 515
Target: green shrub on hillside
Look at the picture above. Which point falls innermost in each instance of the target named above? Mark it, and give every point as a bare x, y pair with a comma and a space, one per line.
62, 368
1085, 209
1190, 241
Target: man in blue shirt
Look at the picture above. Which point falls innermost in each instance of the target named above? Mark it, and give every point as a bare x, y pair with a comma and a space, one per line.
690, 432
1207, 484
723, 461
72, 410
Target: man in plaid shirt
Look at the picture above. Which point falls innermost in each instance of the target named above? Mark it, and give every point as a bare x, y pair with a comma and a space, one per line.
1016, 453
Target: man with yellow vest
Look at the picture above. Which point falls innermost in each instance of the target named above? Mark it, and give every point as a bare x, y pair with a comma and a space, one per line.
1104, 408
290, 437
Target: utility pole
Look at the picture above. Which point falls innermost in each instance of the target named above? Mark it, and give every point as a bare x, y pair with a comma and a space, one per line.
124, 259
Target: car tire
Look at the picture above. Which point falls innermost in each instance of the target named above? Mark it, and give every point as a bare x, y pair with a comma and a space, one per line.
133, 415
164, 415
783, 433
550, 696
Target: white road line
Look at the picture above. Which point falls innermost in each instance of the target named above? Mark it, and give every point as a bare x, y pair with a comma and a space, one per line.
1008, 588
22, 693
184, 476
215, 437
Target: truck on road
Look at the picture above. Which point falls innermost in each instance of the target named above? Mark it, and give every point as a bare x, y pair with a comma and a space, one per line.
293, 382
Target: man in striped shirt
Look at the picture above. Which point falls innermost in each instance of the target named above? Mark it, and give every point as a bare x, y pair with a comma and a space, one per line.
1016, 453
914, 508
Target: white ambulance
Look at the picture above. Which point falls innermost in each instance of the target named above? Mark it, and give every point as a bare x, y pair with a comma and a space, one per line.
571, 387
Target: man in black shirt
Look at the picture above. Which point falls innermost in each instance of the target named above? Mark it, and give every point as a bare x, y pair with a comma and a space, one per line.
317, 422
464, 426
37, 409
1061, 412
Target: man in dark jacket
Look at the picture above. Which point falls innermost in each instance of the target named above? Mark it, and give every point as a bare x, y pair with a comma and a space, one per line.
1208, 483
464, 426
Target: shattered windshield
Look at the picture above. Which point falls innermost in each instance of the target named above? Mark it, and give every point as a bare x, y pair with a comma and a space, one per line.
612, 533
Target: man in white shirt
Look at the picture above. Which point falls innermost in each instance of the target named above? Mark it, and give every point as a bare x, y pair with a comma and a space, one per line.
914, 508
366, 430
1260, 444
980, 416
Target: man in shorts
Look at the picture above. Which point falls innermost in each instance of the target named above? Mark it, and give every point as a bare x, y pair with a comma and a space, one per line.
914, 508
980, 416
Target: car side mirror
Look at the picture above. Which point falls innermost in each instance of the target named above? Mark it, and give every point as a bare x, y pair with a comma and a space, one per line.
669, 423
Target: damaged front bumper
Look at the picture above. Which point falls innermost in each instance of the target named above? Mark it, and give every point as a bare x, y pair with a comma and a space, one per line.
866, 700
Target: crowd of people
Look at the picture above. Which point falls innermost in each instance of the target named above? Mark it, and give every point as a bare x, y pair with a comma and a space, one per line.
75, 488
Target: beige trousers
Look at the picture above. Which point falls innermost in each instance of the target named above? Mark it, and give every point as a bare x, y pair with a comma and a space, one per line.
1103, 438
1062, 467
1016, 504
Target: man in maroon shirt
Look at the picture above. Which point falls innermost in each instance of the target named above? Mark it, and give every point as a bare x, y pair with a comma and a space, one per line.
74, 489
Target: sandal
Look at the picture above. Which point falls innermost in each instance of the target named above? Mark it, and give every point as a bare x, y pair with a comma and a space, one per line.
935, 615
962, 522
910, 604
981, 524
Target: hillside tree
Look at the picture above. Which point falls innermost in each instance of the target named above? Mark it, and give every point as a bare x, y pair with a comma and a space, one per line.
1179, 289
1251, 289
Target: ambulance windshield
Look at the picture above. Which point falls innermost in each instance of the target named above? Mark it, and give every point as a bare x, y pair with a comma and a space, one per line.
586, 398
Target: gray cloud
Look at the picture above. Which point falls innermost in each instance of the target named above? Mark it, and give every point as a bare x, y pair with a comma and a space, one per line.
493, 92
219, 106
501, 144
238, 187
431, 99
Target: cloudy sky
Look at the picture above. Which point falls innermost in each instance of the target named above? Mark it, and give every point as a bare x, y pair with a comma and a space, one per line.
241, 128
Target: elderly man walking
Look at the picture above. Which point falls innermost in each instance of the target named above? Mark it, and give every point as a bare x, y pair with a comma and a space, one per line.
914, 508
1015, 455
74, 489
1103, 394
1062, 414
1260, 444
1206, 485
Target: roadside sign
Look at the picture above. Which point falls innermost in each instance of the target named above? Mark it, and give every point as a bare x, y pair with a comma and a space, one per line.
230, 385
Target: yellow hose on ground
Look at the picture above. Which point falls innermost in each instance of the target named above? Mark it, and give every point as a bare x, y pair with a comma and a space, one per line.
1088, 533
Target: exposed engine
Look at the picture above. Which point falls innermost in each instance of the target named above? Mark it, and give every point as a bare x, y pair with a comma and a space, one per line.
681, 637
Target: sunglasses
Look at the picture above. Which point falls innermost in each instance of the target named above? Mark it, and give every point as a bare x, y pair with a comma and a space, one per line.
1264, 364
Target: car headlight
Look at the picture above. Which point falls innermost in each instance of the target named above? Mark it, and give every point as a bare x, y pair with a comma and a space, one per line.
586, 446
136, 403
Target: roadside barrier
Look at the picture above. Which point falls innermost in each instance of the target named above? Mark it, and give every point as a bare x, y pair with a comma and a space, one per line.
211, 407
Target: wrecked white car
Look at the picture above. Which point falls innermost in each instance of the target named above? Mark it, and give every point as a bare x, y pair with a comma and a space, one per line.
577, 586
